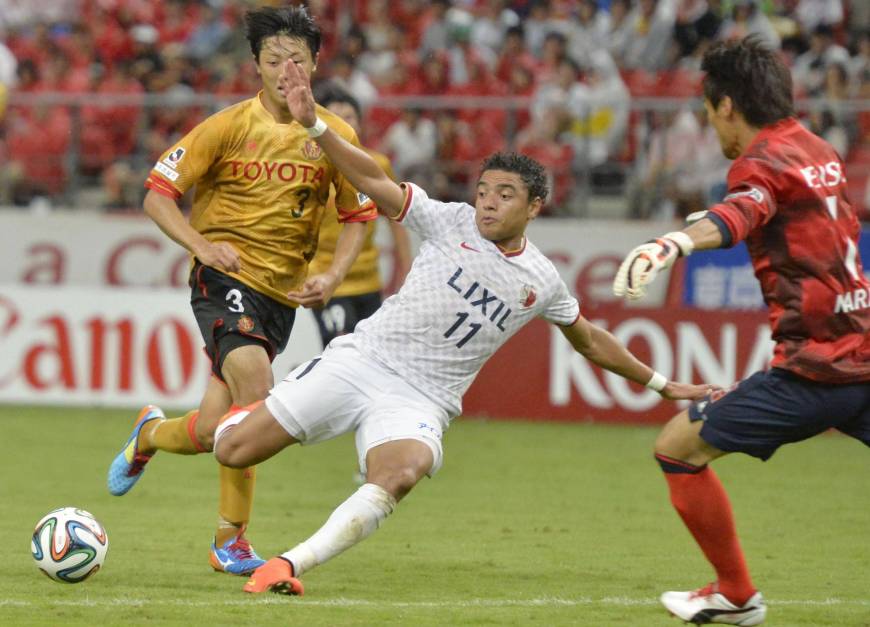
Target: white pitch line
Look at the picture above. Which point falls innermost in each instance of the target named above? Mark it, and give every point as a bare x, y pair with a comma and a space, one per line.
341, 602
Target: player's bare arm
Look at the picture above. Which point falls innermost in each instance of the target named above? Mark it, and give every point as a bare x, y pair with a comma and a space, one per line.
318, 288
402, 248
604, 350
166, 214
358, 167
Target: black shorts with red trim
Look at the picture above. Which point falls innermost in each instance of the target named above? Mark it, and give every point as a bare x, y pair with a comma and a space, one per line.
230, 314
776, 407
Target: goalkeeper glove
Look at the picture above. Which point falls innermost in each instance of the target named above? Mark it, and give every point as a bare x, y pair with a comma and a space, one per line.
643, 264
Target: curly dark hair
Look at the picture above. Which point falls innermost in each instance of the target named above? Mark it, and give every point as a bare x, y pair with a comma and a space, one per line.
753, 76
534, 175
291, 21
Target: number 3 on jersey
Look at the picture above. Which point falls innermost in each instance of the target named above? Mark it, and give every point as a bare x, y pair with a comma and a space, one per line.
303, 195
473, 327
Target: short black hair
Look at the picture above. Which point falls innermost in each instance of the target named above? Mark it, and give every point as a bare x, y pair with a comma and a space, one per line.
753, 76
329, 92
534, 175
291, 21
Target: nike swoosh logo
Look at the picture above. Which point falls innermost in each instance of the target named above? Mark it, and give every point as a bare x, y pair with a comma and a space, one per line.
467, 247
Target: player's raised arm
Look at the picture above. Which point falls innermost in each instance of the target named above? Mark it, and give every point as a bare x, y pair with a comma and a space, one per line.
358, 167
603, 349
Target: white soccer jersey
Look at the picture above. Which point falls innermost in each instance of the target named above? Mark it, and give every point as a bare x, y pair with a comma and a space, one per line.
462, 300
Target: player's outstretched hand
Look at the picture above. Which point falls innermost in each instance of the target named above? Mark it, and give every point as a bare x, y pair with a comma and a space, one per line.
316, 291
676, 391
643, 264
220, 256
295, 84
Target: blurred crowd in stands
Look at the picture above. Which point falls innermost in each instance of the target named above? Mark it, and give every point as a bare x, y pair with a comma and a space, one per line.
577, 85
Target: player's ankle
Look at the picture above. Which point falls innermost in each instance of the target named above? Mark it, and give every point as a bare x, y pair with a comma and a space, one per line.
145, 445
226, 531
736, 594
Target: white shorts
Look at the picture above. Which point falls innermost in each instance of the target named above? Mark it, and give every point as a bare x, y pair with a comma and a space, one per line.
342, 391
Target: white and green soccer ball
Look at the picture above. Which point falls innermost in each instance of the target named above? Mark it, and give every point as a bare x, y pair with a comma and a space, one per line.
69, 545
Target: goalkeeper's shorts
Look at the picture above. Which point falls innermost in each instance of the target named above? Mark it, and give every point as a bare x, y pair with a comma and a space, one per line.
776, 407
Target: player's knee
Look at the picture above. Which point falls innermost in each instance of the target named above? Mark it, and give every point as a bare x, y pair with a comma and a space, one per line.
661, 444
397, 480
229, 452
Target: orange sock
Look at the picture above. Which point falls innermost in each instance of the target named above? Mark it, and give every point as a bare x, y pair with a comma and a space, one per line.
175, 435
236, 501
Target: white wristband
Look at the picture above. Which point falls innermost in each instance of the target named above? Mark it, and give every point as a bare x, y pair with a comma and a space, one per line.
318, 129
683, 242
657, 381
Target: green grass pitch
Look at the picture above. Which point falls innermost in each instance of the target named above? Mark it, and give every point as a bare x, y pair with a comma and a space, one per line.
526, 524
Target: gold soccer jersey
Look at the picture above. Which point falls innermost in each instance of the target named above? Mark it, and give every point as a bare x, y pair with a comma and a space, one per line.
262, 187
363, 276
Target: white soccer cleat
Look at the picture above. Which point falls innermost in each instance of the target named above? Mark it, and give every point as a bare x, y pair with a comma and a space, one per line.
708, 606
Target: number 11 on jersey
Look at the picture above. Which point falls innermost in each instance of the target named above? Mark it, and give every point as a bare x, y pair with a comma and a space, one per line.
474, 327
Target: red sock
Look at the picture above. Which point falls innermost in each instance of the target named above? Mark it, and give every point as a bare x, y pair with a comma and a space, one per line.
702, 503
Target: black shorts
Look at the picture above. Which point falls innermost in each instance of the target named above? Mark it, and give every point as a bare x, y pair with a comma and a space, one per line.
343, 312
230, 314
776, 407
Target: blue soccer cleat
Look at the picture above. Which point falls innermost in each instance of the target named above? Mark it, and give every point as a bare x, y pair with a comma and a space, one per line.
128, 465
235, 556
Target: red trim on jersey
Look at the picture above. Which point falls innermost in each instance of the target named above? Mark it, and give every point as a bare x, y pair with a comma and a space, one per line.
162, 186
365, 212
513, 253
363, 215
409, 192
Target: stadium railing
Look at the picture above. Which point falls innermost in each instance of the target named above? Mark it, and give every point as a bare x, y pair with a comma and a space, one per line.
619, 163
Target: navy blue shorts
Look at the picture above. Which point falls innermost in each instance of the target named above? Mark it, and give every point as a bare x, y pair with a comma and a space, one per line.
776, 407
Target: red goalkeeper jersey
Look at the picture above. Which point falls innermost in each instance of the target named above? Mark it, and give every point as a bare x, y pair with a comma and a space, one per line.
787, 200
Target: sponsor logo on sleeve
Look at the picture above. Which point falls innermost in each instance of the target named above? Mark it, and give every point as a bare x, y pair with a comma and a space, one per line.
174, 157
753, 193
166, 171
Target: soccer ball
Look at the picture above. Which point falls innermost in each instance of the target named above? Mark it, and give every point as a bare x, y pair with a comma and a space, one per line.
69, 545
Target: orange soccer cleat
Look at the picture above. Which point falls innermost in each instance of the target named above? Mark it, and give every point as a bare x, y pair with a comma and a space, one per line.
276, 575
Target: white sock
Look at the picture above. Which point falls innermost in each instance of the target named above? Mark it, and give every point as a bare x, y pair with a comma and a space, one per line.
352, 521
